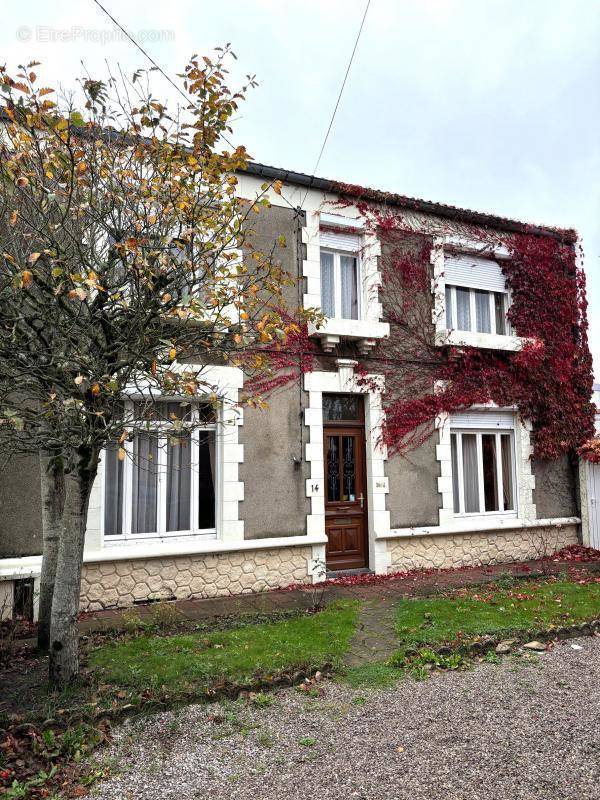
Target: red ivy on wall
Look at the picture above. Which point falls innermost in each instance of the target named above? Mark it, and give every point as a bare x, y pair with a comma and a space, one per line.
549, 381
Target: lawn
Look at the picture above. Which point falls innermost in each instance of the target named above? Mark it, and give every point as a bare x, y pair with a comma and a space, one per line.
198, 660
495, 611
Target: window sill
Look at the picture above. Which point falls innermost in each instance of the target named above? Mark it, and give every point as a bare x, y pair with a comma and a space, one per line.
486, 341
365, 332
161, 538
479, 525
194, 545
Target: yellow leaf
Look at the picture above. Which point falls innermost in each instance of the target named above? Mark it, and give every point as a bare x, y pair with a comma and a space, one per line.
33, 257
277, 186
122, 454
95, 388
172, 354
26, 278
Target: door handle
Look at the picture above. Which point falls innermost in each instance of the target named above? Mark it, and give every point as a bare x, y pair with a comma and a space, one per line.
361, 498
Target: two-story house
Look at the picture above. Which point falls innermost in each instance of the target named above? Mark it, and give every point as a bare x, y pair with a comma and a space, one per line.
263, 497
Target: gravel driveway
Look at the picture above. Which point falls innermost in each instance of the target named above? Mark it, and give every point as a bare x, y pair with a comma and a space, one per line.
522, 729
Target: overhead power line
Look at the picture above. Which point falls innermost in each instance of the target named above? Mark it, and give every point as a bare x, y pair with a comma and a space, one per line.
149, 57
318, 161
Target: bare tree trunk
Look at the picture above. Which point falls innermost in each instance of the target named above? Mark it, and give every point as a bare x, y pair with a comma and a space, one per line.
64, 636
53, 498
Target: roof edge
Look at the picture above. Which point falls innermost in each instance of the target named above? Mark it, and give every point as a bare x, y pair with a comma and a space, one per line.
568, 235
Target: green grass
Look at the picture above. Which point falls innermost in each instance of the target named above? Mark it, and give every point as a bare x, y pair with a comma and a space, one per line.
377, 675
495, 611
184, 662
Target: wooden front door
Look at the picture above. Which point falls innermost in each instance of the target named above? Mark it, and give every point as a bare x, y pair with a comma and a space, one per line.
345, 492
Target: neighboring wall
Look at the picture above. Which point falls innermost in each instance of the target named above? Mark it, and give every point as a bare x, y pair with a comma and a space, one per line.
555, 493
20, 508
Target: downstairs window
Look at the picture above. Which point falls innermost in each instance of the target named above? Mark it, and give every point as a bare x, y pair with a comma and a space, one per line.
165, 485
483, 471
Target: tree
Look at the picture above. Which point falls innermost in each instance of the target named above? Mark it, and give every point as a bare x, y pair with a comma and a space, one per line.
127, 266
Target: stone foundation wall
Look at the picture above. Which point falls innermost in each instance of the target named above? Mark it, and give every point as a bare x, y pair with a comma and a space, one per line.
474, 549
113, 584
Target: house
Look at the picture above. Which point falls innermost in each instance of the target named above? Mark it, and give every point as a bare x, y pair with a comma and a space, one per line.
269, 496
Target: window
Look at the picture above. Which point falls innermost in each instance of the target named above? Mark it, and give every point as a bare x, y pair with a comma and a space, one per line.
477, 299
340, 283
476, 310
166, 484
483, 471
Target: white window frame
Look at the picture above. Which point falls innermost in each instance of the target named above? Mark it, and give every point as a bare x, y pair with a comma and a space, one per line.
161, 512
473, 310
337, 282
479, 432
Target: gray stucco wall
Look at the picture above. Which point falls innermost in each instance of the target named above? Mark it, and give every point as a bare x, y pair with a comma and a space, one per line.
275, 501
20, 508
413, 500
555, 488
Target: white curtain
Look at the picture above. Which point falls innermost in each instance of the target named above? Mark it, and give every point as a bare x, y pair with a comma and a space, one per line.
113, 492
500, 313
455, 490
327, 285
507, 481
179, 475
470, 476
463, 310
448, 307
482, 312
349, 278
145, 483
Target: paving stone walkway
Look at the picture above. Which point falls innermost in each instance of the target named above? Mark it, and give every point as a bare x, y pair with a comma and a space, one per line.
375, 638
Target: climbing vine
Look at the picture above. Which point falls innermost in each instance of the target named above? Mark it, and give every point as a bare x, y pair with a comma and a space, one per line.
548, 381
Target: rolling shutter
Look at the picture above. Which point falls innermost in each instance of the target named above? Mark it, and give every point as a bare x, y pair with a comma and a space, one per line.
349, 242
484, 420
475, 272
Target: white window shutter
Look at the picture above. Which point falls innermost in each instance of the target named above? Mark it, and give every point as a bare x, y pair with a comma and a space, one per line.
461, 269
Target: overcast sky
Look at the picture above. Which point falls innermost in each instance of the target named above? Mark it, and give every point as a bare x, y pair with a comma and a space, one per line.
486, 104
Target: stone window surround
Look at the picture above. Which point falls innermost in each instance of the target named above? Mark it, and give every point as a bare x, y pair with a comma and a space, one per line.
229, 490
369, 328
525, 483
343, 381
489, 341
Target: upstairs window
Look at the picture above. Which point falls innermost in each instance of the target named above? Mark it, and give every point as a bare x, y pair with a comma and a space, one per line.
340, 275
477, 299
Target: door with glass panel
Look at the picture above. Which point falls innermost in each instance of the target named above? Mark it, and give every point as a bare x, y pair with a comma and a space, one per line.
345, 487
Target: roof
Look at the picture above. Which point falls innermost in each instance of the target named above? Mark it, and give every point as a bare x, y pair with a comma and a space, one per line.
390, 198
